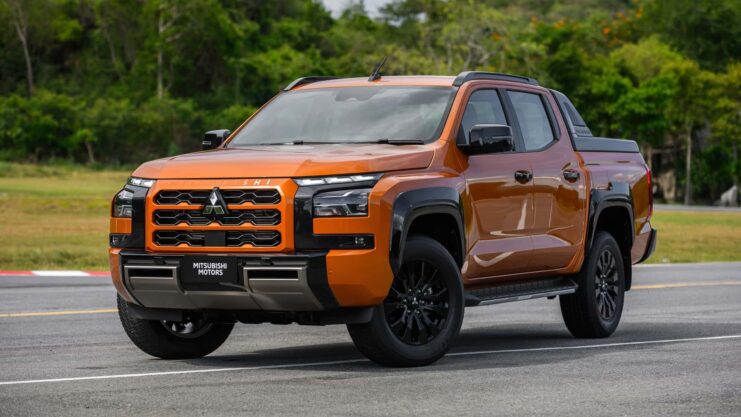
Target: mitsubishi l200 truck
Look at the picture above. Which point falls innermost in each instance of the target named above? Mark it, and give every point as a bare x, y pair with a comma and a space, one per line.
387, 204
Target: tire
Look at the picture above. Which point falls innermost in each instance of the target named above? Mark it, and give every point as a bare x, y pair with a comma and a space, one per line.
171, 340
594, 310
415, 328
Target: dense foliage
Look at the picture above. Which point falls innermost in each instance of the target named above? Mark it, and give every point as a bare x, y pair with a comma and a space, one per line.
121, 81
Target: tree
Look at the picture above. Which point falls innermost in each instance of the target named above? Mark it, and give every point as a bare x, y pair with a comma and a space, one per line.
708, 31
20, 22
689, 108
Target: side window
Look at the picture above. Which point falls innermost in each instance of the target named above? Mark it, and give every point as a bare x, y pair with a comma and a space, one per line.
533, 119
484, 107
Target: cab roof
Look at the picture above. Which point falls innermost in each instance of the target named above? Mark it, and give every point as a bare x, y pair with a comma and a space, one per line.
413, 80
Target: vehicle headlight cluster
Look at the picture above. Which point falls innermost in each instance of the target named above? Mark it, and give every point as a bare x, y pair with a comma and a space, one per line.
141, 182
122, 203
350, 202
342, 203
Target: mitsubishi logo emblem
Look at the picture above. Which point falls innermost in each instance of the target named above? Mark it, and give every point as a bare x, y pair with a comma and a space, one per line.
217, 207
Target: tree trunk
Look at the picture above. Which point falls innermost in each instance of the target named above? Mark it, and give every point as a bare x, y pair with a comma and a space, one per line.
688, 180
160, 85
90, 154
21, 27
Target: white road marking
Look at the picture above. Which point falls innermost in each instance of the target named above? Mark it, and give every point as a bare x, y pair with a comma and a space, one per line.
61, 273
349, 361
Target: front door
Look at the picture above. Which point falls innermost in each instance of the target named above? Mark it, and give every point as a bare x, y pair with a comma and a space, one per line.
502, 206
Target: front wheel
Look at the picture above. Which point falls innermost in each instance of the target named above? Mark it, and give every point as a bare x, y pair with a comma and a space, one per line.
423, 312
594, 310
193, 338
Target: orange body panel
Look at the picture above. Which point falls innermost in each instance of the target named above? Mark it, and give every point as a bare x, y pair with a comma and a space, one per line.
513, 231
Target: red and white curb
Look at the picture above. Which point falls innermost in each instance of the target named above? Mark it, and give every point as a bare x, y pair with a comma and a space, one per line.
54, 274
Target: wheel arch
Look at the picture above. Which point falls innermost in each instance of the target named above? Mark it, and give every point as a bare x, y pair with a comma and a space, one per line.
611, 210
415, 211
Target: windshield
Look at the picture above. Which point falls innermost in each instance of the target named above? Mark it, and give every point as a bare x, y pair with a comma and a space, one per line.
349, 115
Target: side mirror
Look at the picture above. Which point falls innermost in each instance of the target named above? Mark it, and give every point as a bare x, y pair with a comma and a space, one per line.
214, 138
489, 139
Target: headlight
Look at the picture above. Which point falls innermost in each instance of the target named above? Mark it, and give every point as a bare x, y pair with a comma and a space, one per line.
141, 182
346, 179
122, 204
342, 203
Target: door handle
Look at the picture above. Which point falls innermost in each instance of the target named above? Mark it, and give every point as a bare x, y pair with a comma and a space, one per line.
523, 177
571, 175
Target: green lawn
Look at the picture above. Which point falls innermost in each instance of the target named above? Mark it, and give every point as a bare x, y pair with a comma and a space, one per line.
56, 217
697, 236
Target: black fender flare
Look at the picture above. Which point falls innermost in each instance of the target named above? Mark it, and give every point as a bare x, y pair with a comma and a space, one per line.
618, 194
412, 204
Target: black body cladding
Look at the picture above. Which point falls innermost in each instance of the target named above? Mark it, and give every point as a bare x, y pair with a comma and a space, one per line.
303, 211
412, 204
617, 196
135, 240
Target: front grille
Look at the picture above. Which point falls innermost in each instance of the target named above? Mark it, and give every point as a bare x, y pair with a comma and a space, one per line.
259, 238
233, 238
198, 197
255, 218
235, 218
175, 238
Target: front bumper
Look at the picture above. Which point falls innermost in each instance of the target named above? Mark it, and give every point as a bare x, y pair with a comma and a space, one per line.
276, 282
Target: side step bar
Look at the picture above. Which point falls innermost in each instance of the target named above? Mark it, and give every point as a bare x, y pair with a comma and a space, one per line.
525, 290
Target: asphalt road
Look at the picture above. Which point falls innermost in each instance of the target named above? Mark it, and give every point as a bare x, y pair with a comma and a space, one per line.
677, 352
682, 207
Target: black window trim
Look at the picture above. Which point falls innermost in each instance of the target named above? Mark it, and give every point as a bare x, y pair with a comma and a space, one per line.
551, 120
508, 116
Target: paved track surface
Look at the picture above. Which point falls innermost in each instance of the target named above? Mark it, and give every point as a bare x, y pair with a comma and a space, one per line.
677, 352
681, 207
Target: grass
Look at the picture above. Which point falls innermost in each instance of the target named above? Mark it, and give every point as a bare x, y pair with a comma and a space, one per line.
56, 217
697, 236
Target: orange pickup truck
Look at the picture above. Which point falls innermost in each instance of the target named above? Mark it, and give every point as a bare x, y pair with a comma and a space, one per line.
388, 204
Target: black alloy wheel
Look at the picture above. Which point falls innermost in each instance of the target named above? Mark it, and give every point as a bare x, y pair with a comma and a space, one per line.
417, 305
189, 329
606, 286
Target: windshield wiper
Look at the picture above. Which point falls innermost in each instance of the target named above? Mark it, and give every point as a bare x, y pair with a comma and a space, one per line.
399, 141
298, 142
316, 142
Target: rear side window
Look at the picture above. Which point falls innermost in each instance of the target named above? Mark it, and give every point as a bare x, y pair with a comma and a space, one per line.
483, 108
533, 120
576, 123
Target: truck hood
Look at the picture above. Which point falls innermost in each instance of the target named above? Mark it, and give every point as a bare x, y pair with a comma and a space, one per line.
288, 161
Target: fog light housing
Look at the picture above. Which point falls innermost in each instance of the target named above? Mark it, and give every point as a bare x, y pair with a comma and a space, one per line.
117, 240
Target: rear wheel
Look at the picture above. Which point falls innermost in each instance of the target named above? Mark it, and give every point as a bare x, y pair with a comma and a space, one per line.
596, 307
193, 338
422, 314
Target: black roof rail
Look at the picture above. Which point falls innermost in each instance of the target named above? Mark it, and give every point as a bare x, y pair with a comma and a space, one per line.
466, 76
308, 80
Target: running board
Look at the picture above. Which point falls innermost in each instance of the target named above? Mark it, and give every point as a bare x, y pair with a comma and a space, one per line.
520, 291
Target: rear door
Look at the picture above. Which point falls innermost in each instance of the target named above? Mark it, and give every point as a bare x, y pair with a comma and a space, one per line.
558, 180
502, 206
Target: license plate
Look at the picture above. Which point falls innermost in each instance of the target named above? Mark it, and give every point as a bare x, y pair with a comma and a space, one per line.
210, 273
